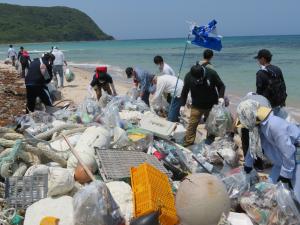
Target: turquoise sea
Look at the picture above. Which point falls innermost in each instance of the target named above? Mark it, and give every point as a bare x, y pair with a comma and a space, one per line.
235, 63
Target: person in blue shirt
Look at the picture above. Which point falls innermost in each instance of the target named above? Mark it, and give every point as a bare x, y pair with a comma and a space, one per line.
143, 79
279, 139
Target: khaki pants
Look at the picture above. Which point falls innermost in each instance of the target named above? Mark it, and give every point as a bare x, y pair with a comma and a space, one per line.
195, 117
105, 87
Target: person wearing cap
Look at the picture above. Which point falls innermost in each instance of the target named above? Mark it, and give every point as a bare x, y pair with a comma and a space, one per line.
163, 67
143, 79
165, 85
58, 66
279, 139
102, 80
207, 89
24, 59
269, 80
12, 54
38, 76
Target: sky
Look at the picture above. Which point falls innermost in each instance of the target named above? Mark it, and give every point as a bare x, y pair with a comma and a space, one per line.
144, 19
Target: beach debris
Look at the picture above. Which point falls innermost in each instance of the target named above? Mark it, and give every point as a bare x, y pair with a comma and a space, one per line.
60, 208
21, 192
202, 197
69, 75
152, 192
94, 204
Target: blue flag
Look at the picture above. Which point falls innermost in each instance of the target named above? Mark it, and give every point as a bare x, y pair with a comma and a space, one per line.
206, 36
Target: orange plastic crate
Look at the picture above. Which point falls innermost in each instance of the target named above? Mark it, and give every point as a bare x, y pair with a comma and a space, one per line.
151, 192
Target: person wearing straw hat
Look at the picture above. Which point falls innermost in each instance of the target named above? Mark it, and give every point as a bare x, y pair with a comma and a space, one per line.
279, 139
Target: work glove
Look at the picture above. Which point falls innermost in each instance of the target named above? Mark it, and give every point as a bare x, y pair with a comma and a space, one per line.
221, 101
139, 99
286, 181
248, 169
182, 111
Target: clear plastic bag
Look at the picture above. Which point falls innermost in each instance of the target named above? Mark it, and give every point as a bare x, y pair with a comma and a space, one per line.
286, 212
220, 150
269, 204
237, 183
219, 121
140, 140
259, 202
69, 75
93, 204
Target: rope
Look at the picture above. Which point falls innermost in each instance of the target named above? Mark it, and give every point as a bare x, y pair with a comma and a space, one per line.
12, 154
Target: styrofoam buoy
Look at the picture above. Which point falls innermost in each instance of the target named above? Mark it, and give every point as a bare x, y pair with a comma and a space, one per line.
201, 200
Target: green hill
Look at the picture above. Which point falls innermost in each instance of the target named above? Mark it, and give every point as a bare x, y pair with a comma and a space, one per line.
43, 24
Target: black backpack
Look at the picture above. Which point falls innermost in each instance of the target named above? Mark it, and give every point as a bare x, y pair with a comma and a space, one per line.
276, 89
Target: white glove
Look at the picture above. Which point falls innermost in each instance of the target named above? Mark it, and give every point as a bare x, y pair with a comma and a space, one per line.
139, 99
221, 101
182, 111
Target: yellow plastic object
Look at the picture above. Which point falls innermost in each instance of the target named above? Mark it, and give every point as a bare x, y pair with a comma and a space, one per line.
136, 137
151, 192
49, 220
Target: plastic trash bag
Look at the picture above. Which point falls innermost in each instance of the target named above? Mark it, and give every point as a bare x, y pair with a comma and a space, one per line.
237, 183
69, 75
220, 150
140, 139
60, 181
133, 93
93, 204
219, 121
269, 204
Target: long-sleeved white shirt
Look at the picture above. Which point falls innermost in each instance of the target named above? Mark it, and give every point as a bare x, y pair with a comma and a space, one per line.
11, 52
166, 85
166, 69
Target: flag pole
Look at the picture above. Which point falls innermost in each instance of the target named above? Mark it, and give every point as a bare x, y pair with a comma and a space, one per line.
183, 56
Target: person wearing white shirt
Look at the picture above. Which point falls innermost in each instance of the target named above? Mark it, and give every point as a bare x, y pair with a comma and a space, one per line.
58, 66
163, 67
166, 84
12, 54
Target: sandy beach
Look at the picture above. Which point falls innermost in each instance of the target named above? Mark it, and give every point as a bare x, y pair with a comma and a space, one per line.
76, 91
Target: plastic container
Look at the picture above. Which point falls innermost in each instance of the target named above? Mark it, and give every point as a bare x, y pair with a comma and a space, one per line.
152, 191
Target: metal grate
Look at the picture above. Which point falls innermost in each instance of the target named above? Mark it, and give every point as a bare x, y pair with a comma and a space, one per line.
21, 192
116, 165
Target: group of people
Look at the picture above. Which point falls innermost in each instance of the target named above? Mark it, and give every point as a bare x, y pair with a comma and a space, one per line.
202, 82
265, 132
38, 73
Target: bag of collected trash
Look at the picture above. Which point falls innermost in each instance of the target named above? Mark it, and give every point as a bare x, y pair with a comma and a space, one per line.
93, 204
237, 183
133, 93
60, 181
220, 150
269, 204
70, 76
92, 137
122, 194
88, 109
120, 139
219, 121
140, 139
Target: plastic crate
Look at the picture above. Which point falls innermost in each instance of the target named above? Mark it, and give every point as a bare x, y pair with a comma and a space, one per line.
21, 192
116, 165
151, 192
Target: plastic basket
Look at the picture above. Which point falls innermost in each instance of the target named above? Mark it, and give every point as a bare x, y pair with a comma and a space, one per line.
21, 192
152, 191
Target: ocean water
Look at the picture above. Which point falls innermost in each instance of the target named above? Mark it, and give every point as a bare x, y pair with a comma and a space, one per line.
235, 63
